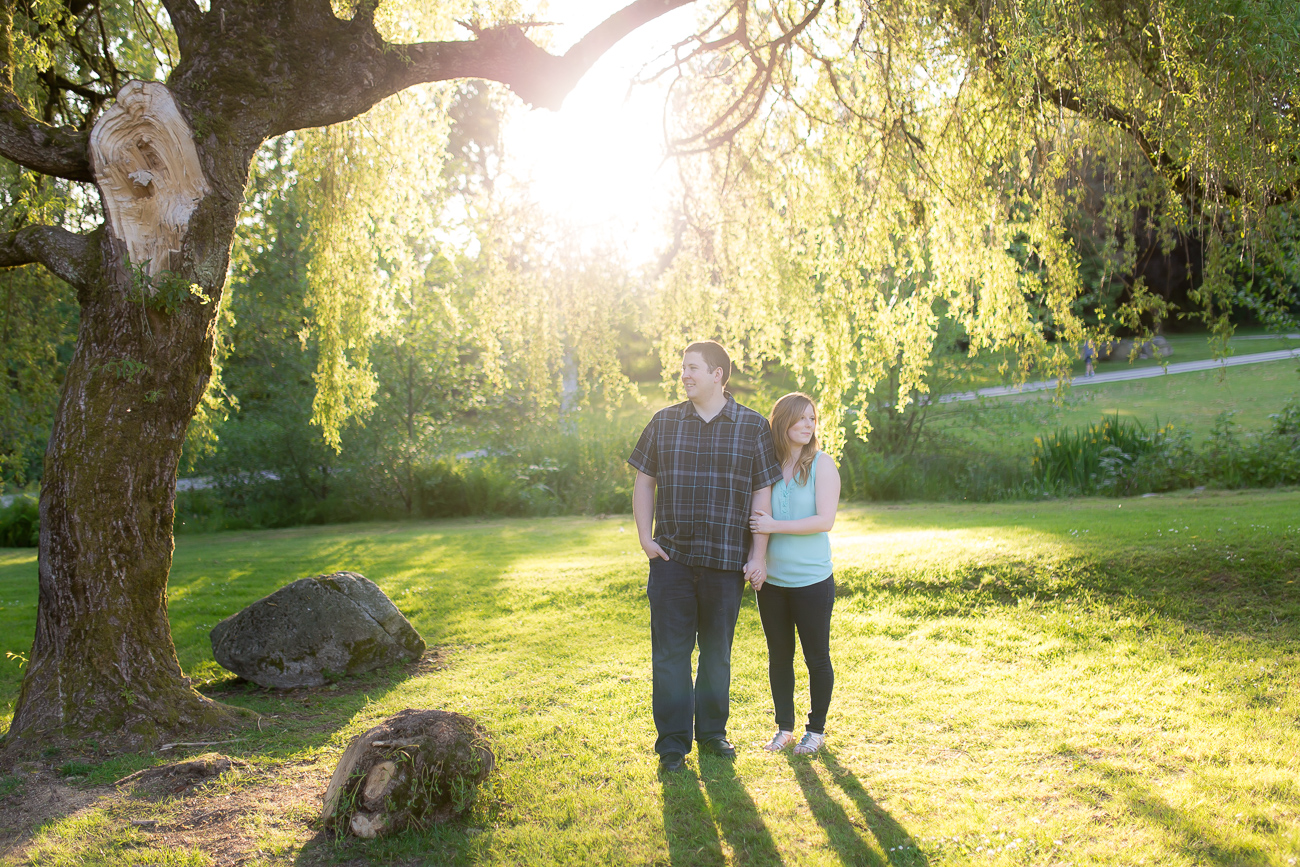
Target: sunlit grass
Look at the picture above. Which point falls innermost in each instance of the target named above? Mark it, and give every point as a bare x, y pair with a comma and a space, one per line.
105, 837
999, 368
1190, 401
1083, 682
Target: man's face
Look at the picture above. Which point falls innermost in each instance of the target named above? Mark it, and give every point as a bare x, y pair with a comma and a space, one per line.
701, 383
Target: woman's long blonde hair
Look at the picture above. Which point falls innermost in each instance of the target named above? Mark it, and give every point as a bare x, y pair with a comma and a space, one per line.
785, 413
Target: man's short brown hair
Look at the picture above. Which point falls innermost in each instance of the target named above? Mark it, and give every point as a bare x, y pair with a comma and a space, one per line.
714, 356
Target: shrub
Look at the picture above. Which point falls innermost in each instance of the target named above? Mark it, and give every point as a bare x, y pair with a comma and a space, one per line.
20, 523
576, 466
1118, 457
941, 475
1235, 460
1096, 458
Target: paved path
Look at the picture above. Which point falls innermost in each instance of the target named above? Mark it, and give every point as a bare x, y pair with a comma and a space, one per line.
1126, 374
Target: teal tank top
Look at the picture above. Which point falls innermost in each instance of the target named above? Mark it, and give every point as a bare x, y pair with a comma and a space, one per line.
797, 560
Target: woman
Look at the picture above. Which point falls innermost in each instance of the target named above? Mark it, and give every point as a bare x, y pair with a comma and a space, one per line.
799, 591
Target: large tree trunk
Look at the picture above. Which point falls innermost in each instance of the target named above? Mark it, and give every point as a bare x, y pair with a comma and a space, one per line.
103, 658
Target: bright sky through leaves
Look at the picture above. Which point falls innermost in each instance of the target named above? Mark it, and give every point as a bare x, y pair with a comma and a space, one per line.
598, 163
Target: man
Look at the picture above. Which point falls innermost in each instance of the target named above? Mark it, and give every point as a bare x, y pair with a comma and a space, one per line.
702, 467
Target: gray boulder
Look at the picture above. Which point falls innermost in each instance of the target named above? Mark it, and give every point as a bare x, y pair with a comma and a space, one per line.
1157, 347
1122, 350
313, 630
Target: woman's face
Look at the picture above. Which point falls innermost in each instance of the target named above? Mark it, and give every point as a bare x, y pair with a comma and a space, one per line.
803, 428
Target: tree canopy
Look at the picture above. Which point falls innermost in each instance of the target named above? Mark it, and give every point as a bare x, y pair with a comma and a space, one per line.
856, 172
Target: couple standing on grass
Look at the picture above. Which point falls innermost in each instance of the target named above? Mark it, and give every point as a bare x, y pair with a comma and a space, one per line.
733, 499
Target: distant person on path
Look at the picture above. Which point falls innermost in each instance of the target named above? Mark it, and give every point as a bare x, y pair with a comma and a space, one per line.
702, 467
798, 592
1088, 354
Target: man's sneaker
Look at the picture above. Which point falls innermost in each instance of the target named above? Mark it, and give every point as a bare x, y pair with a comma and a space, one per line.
670, 762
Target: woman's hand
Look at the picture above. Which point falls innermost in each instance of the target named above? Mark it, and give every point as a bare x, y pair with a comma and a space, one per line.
762, 522
756, 573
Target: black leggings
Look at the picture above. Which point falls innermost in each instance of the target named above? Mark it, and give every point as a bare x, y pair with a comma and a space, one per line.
807, 609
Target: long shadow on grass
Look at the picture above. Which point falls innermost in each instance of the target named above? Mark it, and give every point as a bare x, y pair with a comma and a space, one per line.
1204, 842
688, 824
898, 845
696, 827
737, 815
1207, 596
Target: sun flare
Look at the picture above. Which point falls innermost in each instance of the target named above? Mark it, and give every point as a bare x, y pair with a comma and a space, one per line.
598, 163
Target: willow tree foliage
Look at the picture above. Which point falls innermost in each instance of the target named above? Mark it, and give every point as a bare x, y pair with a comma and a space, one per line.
855, 172
37, 324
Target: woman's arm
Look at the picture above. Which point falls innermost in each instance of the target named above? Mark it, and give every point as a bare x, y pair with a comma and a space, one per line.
827, 499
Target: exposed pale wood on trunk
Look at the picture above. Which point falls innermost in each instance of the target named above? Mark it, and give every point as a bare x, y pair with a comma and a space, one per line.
148, 172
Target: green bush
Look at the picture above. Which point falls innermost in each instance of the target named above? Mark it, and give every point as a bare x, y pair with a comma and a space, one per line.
576, 466
1119, 457
866, 474
1098, 458
1253, 460
1114, 457
20, 523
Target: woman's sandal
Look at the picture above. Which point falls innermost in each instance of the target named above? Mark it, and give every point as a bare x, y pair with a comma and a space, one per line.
782, 740
811, 743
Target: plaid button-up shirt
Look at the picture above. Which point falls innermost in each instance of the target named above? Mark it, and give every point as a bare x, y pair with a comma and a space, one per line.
705, 476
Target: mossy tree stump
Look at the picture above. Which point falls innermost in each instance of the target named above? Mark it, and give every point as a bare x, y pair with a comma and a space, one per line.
417, 769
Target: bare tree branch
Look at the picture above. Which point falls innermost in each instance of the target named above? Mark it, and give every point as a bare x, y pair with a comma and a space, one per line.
1159, 158
27, 141
185, 15
67, 255
42, 147
54, 81
765, 58
351, 68
508, 56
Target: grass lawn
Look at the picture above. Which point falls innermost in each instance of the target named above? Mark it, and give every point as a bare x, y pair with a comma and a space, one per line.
1191, 401
987, 369
1067, 682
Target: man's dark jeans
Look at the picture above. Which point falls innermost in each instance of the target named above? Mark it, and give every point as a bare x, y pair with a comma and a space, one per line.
686, 601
